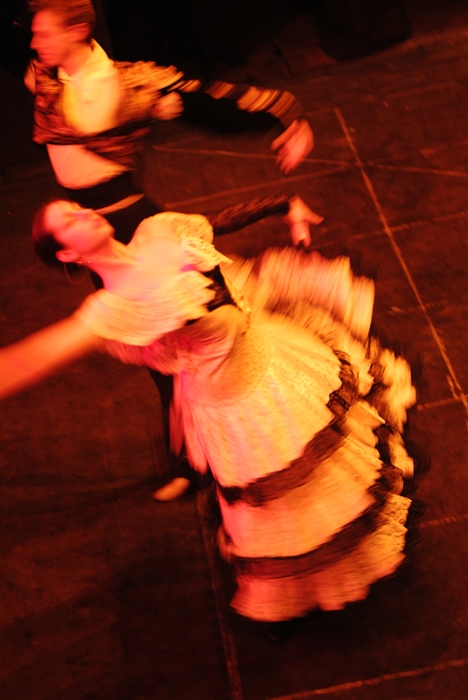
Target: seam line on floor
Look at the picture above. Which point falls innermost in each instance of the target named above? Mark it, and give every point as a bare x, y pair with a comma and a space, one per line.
227, 638
452, 379
257, 186
449, 520
415, 673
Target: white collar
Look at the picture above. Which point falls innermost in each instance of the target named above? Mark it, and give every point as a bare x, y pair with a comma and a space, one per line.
97, 66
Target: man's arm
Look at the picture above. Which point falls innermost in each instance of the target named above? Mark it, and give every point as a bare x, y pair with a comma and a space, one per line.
229, 108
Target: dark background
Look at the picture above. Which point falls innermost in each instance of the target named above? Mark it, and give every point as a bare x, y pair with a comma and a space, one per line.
204, 35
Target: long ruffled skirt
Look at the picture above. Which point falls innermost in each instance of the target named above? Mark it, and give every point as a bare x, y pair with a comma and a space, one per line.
300, 417
310, 461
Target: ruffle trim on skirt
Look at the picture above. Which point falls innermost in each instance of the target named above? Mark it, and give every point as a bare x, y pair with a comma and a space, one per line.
321, 531
371, 547
330, 586
329, 552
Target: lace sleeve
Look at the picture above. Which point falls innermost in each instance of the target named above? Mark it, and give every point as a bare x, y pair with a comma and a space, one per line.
239, 215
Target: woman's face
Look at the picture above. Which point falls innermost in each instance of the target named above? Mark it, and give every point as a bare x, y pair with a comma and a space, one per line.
77, 229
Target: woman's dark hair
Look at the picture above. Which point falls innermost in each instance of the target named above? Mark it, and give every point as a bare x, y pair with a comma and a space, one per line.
45, 244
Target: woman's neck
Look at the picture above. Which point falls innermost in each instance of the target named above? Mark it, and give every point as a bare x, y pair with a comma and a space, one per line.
135, 271
111, 262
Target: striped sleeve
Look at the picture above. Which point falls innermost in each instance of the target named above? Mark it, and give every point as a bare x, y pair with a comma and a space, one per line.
279, 104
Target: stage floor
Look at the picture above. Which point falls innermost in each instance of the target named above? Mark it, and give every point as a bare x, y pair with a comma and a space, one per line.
107, 594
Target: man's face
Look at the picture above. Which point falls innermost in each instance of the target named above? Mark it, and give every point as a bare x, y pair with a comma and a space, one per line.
51, 38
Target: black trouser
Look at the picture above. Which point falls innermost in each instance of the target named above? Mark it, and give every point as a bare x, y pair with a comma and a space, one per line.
124, 221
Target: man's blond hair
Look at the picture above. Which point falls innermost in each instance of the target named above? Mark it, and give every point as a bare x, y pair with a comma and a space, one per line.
71, 11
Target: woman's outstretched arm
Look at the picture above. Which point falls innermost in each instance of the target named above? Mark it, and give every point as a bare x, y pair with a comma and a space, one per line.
295, 212
40, 354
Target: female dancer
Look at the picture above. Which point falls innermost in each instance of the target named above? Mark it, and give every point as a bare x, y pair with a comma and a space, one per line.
278, 390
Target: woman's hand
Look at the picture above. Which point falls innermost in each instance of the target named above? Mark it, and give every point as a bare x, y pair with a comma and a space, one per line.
299, 219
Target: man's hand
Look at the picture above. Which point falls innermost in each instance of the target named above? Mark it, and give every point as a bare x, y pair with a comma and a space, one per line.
168, 107
293, 145
299, 219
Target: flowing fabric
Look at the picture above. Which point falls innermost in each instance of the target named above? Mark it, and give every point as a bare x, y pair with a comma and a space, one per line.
281, 394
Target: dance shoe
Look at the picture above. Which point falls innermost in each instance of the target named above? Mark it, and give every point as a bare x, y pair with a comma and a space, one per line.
173, 489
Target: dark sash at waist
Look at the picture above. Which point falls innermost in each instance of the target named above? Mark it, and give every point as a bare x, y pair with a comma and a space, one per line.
105, 193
